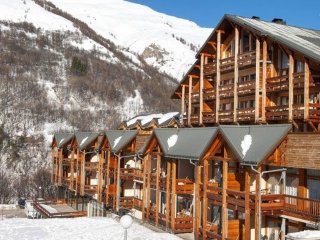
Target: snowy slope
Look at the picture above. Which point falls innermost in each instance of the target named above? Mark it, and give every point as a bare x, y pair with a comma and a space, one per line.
164, 41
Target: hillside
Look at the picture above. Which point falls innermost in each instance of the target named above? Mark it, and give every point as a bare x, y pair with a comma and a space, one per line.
58, 73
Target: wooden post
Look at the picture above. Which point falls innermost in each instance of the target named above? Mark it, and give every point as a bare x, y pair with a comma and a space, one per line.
100, 162
108, 176
264, 80
201, 88
257, 205
218, 74
236, 74
83, 173
189, 100
257, 96
224, 199
173, 194
71, 170
250, 42
183, 100
205, 199
247, 206
290, 100
144, 189
148, 185
77, 171
306, 90
168, 193
197, 202
158, 186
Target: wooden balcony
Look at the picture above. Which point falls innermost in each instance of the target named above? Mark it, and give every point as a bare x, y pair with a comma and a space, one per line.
137, 203
307, 208
226, 116
226, 91
314, 111
91, 166
275, 84
112, 189
282, 112
210, 69
247, 88
208, 117
194, 119
245, 114
184, 186
65, 181
211, 231
209, 94
227, 64
113, 163
247, 59
66, 161
130, 173
126, 202
90, 189
183, 224
195, 97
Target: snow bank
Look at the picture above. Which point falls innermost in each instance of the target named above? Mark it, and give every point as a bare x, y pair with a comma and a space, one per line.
304, 235
7, 206
74, 229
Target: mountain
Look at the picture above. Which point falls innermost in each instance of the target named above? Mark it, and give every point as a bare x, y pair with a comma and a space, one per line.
63, 69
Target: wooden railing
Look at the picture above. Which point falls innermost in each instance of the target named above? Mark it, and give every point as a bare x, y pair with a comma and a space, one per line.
247, 59
66, 161
225, 115
227, 64
91, 166
126, 202
210, 68
209, 94
137, 203
212, 231
226, 90
195, 97
278, 83
309, 208
184, 186
282, 112
314, 111
112, 189
183, 225
91, 189
208, 117
127, 173
65, 181
194, 118
245, 114
247, 88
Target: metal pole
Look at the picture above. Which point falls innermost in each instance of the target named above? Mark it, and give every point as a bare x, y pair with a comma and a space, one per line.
125, 234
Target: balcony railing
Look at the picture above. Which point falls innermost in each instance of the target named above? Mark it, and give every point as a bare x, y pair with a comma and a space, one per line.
126, 202
112, 189
209, 94
247, 59
225, 115
227, 64
130, 173
226, 90
245, 114
247, 88
194, 118
195, 97
137, 204
208, 117
91, 189
184, 186
281, 112
91, 166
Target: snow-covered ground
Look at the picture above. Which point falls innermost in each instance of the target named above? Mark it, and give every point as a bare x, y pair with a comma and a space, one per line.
97, 228
7, 206
304, 235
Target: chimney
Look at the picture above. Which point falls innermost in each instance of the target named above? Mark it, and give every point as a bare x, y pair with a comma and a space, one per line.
279, 21
255, 17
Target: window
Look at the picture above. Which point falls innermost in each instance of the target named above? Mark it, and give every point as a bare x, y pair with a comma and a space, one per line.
292, 185
298, 66
313, 188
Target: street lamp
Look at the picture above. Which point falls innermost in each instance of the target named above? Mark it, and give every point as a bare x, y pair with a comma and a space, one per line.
126, 222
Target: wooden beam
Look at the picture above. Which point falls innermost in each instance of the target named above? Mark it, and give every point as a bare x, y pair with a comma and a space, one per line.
306, 90
158, 186
71, 170
236, 74
247, 205
290, 100
218, 75
224, 231
257, 94
197, 202
189, 100
173, 194
183, 100
205, 199
257, 205
264, 79
201, 88
83, 173
148, 185
108, 176
168, 177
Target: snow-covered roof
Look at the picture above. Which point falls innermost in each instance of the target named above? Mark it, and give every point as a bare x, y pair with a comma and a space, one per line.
159, 119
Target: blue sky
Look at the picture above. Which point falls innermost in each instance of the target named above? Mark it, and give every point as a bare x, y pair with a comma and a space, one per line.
207, 13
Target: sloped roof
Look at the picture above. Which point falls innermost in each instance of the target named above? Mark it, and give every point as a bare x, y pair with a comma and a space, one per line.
85, 138
304, 40
62, 138
185, 143
118, 139
253, 143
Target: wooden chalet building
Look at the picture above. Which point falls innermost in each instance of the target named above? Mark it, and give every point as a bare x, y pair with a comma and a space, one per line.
252, 71
246, 163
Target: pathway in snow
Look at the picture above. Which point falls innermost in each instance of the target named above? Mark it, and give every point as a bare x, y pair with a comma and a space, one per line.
73, 229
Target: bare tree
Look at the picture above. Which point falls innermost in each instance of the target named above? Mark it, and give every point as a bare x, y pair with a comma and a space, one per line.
42, 183
6, 192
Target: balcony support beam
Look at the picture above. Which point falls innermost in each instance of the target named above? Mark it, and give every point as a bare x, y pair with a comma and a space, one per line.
290, 100
173, 194
189, 100
167, 193
197, 202
224, 206
183, 100
205, 198
236, 74
257, 94
247, 205
158, 186
218, 75
306, 90
201, 89
264, 77
108, 176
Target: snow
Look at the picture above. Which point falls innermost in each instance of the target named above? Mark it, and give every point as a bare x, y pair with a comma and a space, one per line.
172, 140
7, 206
27, 10
148, 118
308, 234
97, 228
139, 28
116, 141
246, 144
49, 208
167, 116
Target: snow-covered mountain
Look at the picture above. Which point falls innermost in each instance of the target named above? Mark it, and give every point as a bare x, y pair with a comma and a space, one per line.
83, 65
